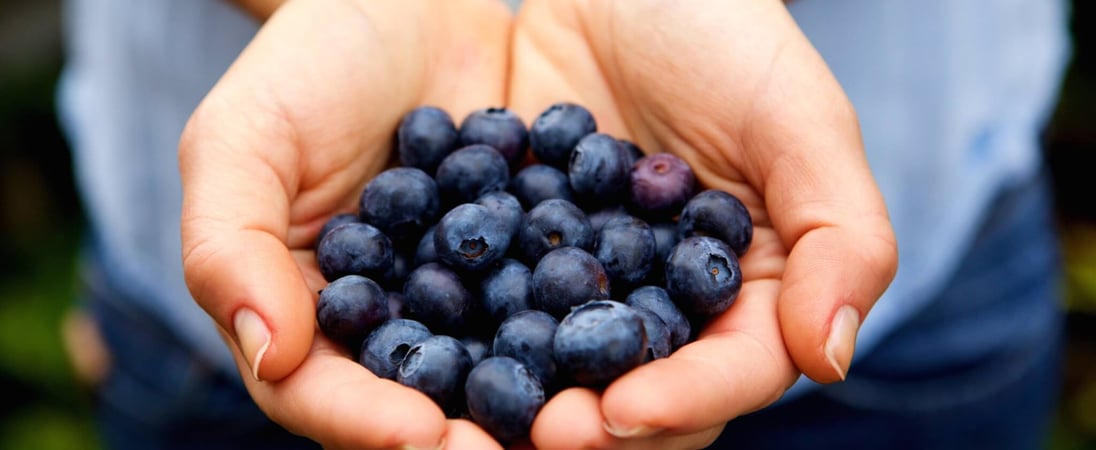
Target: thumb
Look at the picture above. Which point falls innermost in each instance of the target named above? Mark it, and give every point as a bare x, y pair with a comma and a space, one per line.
824, 203
235, 226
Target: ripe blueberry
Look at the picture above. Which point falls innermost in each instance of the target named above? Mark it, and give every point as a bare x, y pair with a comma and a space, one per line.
552, 224
625, 247
656, 300
600, 341
402, 202
506, 207
506, 289
599, 169
538, 182
658, 335
437, 367
720, 215
384, 349
354, 249
425, 136
349, 308
470, 238
425, 252
556, 131
499, 128
503, 397
702, 276
527, 337
568, 277
334, 221
470, 172
435, 296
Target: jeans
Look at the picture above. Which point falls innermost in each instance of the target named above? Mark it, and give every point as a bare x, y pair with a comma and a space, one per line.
159, 395
979, 368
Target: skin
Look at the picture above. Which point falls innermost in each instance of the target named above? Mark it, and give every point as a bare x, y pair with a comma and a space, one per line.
288, 137
735, 89
303, 119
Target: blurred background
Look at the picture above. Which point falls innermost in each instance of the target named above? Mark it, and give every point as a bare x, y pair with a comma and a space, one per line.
42, 406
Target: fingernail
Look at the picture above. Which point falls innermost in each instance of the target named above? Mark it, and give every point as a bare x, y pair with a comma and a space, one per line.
842, 339
632, 433
253, 337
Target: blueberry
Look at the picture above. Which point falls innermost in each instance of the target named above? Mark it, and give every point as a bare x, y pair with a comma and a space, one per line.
567, 277
506, 289
349, 308
702, 276
658, 335
435, 296
470, 238
600, 341
556, 131
538, 182
506, 207
666, 238
470, 172
425, 253
661, 184
634, 152
599, 217
503, 397
334, 221
396, 302
656, 300
720, 215
402, 202
625, 247
477, 348
384, 349
438, 367
527, 337
599, 170
425, 136
552, 224
354, 249
499, 128
397, 272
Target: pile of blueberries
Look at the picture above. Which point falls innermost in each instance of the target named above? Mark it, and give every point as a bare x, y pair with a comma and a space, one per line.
490, 279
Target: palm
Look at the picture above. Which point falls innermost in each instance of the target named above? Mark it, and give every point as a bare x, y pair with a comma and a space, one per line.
737, 96
288, 138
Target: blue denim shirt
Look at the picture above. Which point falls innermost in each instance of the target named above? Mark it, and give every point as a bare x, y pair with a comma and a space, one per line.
951, 96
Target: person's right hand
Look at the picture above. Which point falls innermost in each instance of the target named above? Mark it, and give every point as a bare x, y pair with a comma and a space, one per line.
288, 138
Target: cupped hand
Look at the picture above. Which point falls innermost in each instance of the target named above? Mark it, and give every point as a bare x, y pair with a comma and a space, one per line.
735, 89
287, 138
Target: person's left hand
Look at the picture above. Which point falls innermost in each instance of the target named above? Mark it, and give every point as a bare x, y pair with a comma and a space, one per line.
735, 89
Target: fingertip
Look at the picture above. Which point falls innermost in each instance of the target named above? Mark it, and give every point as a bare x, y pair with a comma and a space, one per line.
252, 286
821, 309
576, 410
463, 434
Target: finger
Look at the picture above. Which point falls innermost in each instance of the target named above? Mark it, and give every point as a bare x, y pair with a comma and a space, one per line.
785, 129
552, 62
471, 72
737, 365
463, 434
340, 404
823, 201
577, 411
244, 189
